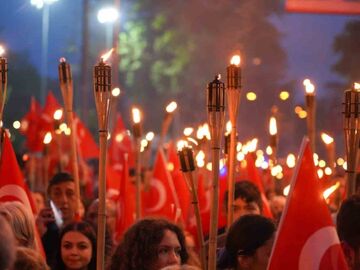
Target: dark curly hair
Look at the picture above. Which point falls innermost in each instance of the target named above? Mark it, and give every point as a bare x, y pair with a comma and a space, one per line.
85, 229
138, 248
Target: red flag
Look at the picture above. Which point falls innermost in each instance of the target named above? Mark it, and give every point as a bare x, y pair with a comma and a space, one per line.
254, 177
323, 6
161, 198
86, 143
12, 185
306, 238
182, 190
29, 127
127, 207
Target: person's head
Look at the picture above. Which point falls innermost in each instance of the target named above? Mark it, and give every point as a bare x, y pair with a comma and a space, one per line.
111, 213
21, 221
29, 259
248, 243
247, 199
348, 228
7, 245
277, 204
61, 190
77, 247
150, 244
39, 200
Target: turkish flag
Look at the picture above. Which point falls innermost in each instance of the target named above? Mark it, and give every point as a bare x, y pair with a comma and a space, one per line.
306, 238
12, 184
161, 199
86, 144
126, 202
254, 177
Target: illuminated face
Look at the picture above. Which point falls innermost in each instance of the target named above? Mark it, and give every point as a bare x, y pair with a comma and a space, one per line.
76, 250
241, 207
168, 251
63, 196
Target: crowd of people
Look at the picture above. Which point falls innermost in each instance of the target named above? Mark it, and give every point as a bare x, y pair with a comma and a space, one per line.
69, 241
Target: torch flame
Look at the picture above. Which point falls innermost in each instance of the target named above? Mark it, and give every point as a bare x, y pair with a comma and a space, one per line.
188, 131
309, 87
326, 138
47, 138
2, 50
356, 85
115, 92
291, 160
235, 60
106, 56
136, 115
330, 190
272, 126
58, 114
171, 107
181, 144
228, 127
149, 136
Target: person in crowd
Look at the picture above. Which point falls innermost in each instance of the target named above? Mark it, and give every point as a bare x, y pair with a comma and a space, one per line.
348, 228
21, 221
150, 244
29, 259
248, 244
77, 247
39, 200
277, 205
61, 191
7, 245
181, 267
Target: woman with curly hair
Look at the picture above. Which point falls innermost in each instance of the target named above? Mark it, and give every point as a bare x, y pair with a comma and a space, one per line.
150, 244
77, 248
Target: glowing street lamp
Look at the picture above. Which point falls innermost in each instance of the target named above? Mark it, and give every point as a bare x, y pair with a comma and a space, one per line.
108, 16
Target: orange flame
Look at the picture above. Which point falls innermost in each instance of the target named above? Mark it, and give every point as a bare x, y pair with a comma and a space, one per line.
272, 126
235, 60
326, 138
171, 107
106, 56
136, 115
331, 190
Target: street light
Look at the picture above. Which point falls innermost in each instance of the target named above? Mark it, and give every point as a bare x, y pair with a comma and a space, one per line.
108, 15
45, 6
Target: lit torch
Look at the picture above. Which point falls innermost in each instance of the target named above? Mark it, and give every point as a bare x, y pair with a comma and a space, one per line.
273, 138
330, 148
136, 135
102, 92
352, 134
46, 141
233, 99
186, 157
170, 108
3, 83
216, 115
311, 111
66, 86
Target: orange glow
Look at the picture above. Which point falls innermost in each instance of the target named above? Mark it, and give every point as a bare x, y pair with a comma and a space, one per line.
136, 115
171, 107
2, 50
188, 131
357, 86
181, 144
326, 138
228, 127
58, 114
272, 126
309, 87
149, 136
235, 60
330, 190
47, 138
115, 92
106, 56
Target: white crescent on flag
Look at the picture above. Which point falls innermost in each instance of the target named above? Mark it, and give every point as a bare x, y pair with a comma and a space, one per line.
316, 246
160, 188
16, 191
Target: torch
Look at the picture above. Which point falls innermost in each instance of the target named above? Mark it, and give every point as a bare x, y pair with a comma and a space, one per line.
352, 134
186, 157
66, 86
57, 116
311, 111
233, 93
137, 134
216, 115
170, 108
46, 141
102, 92
330, 148
3, 82
273, 138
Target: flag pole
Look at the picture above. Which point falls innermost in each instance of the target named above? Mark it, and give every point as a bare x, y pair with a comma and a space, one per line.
188, 167
102, 92
66, 86
3, 87
216, 115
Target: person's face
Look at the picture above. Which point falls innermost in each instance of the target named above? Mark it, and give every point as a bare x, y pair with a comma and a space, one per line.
39, 201
76, 250
262, 255
241, 207
168, 251
63, 196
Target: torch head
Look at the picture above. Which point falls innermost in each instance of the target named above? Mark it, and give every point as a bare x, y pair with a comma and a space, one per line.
234, 73
186, 157
102, 77
3, 70
216, 95
64, 71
